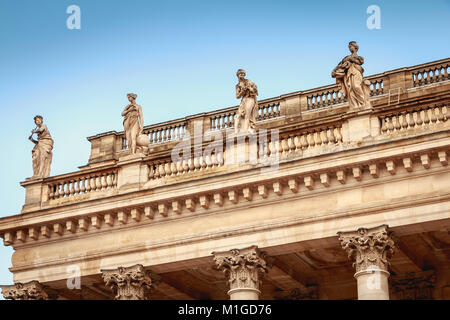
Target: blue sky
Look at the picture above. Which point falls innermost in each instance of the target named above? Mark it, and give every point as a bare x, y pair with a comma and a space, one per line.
180, 58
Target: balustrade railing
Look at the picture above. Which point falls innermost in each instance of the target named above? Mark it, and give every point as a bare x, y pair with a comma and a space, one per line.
266, 147
324, 98
82, 184
414, 118
431, 74
225, 119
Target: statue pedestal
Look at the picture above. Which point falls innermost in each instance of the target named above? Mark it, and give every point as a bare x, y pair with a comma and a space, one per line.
35, 194
133, 172
361, 126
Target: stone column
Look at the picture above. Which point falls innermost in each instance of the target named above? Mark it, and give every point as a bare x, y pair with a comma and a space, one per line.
243, 268
131, 283
32, 290
370, 249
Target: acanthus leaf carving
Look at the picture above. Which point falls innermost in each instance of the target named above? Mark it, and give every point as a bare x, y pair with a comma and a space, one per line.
242, 267
32, 290
129, 283
369, 248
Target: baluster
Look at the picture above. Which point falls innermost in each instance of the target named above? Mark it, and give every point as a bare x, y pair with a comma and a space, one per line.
167, 169
83, 185
104, 182
440, 116
179, 167
108, 181
71, 187
330, 133
317, 138
114, 179
51, 191
310, 139
304, 141
220, 158
162, 172
383, 124
426, 120
404, 122
410, 119
98, 183
390, 124
77, 185
214, 160
196, 164
433, 115
323, 135
56, 193
397, 122
284, 146
185, 166
91, 183
297, 143
173, 168
190, 164
337, 134
419, 120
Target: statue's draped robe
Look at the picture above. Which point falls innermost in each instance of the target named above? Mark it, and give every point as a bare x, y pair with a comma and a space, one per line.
42, 153
248, 108
349, 77
131, 124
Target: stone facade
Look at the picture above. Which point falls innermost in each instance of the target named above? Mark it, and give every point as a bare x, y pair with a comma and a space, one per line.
320, 194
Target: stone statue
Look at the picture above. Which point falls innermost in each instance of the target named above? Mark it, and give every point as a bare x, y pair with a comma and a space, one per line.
133, 124
248, 109
42, 151
349, 77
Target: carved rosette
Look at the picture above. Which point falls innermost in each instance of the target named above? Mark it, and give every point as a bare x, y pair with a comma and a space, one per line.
131, 283
370, 249
242, 267
32, 290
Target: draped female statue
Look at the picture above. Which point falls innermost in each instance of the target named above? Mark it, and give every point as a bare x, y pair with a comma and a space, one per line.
349, 77
42, 151
133, 124
248, 108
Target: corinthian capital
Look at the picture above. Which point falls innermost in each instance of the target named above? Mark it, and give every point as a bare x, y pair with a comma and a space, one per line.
131, 283
368, 248
242, 267
32, 290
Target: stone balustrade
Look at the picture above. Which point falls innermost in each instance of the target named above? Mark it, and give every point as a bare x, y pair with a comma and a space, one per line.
417, 118
81, 184
431, 74
166, 133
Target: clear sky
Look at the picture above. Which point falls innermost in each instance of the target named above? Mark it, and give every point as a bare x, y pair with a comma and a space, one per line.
180, 58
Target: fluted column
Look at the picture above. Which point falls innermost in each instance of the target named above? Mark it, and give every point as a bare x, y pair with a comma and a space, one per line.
370, 249
243, 268
32, 290
131, 283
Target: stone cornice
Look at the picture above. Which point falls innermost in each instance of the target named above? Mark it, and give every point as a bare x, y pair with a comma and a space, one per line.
381, 208
291, 175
